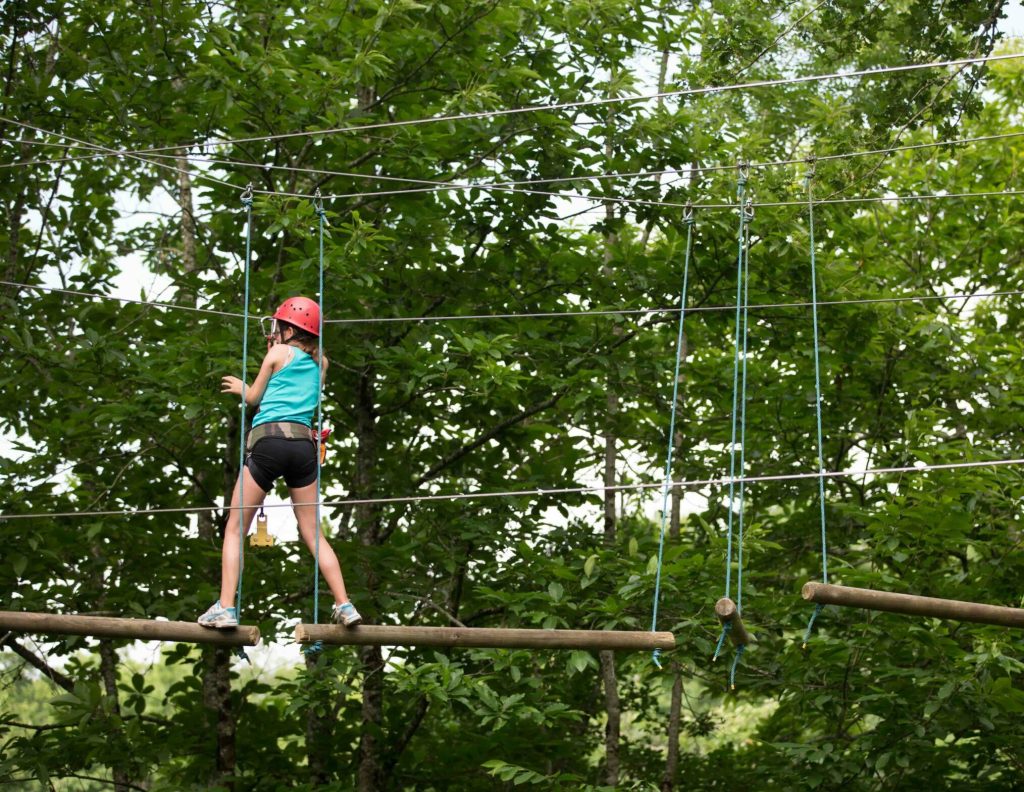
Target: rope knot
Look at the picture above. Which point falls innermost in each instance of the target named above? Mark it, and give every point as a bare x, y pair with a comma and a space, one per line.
247, 196
318, 205
314, 648
688, 218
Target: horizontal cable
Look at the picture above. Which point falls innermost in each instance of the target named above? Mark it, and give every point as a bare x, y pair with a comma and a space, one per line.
536, 491
543, 314
575, 196
594, 102
116, 153
699, 207
441, 185
124, 300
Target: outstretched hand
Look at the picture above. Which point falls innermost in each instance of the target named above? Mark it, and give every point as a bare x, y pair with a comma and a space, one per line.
231, 385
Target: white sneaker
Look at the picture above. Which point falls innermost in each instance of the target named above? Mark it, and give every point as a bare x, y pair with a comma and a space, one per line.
346, 614
218, 617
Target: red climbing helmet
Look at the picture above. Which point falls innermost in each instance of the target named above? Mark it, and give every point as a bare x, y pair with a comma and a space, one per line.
302, 312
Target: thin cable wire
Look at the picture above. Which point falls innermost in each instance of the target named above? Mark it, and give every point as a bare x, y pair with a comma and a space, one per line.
534, 492
123, 300
362, 128
118, 153
441, 185
563, 196
546, 314
688, 220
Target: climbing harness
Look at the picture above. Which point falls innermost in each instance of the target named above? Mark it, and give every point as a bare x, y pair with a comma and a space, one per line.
688, 220
817, 399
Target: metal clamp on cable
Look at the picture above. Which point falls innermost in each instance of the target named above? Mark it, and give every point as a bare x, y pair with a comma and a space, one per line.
744, 169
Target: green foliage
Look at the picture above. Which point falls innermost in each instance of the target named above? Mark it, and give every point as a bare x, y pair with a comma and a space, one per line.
113, 406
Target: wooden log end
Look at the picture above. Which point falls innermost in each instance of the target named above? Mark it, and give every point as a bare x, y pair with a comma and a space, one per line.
725, 609
728, 614
810, 590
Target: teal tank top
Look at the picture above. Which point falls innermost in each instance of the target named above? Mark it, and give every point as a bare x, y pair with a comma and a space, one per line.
291, 393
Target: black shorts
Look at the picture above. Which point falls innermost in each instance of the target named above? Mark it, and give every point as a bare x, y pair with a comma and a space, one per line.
273, 457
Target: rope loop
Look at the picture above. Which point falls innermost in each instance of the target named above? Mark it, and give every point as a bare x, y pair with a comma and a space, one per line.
748, 211
735, 664
247, 196
721, 640
810, 624
314, 648
318, 204
688, 218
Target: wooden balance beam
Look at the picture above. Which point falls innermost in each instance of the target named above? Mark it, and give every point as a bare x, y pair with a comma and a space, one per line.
138, 629
725, 610
912, 605
482, 637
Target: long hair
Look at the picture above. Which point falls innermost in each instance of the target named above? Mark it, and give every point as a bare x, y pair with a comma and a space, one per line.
303, 339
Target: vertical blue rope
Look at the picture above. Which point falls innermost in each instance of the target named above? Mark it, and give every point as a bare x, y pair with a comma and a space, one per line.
735, 665
739, 411
748, 213
735, 382
318, 206
817, 400
247, 203
688, 220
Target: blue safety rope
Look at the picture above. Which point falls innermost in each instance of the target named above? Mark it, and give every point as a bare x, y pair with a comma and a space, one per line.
247, 203
735, 664
817, 401
688, 220
318, 206
721, 640
746, 214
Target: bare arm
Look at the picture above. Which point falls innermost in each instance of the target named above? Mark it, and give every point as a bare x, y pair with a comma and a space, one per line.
274, 360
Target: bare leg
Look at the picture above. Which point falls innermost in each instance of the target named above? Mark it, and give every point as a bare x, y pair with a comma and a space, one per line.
254, 496
309, 531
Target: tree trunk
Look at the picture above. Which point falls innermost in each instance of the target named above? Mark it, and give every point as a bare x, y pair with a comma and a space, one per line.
108, 673
318, 736
217, 701
672, 758
610, 458
370, 773
607, 658
220, 714
613, 724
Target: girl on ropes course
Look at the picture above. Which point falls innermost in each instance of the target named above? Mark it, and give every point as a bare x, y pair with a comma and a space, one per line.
281, 443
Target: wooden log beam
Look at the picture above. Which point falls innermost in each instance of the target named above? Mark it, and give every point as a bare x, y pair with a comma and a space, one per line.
482, 637
912, 605
727, 613
137, 629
